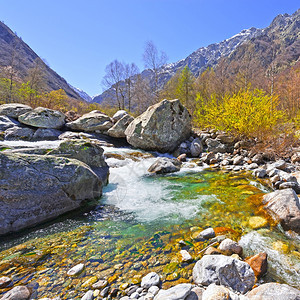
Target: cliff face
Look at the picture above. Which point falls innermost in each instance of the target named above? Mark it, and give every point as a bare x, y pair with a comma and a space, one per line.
15, 52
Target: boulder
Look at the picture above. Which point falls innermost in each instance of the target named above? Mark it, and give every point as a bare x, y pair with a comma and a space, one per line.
284, 207
119, 115
274, 291
19, 133
224, 270
177, 292
92, 121
14, 110
42, 134
37, 188
17, 293
196, 147
164, 165
295, 157
118, 130
7, 122
215, 146
258, 263
214, 292
162, 127
229, 247
43, 118
151, 279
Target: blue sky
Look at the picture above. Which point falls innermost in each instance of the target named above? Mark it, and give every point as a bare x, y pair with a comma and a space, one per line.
79, 38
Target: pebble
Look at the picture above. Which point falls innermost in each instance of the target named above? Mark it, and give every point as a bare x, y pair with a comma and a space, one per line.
76, 270
229, 247
104, 292
207, 233
149, 280
100, 284
88, 295
153, 290
4, 281
185, 256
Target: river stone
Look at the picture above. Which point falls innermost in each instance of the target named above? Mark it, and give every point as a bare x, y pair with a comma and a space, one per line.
284, 207
89, 295
4, 281
7, 122
19, 133
162, 127
185, 256
207, 233
214, 292
149, 280
92, 121
43, 118
153, 290
196, 147
215, 146
14, 110
48, 134
119, 115
229, 247
195, 294
224, 270
274, 291
164, 165
17, 293
76, 270
37, 188
295, 157
258, 263
177, 292
118, 130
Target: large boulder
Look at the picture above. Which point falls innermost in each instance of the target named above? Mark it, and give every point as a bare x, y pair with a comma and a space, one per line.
162, 127
118, 130
92, 121
119, 115
19, 133
43, 118
224, 270
284, 207
36, 188
14, 110
274, 291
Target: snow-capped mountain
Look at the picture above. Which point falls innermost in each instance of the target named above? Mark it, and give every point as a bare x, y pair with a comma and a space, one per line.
85, 96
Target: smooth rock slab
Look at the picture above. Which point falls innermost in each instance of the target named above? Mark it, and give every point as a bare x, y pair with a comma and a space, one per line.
224, 270
17, 293
43, 118
162, 127
149, 280
284, 207
274, 291
14, 110
177, 292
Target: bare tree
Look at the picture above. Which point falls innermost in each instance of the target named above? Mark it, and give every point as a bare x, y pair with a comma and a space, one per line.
154, 60
131, 71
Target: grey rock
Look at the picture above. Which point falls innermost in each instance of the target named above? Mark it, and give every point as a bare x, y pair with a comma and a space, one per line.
4, 281
287, 185
100, 284
260, 173
177, 292
149, 280
119, 115
76, 270
48, 134
215, 146
118, 130
104, 292
89, 295
164, 165
229, 247
162, 127
153, 290
284, 206
214, 292
252, 166
131, 290
207, 233
36, 188
295, 157
14, 110
195, 294
148, 296
17, 293
238, 160
280, 165
224, 270
274, 291
19, 133
7, 122
196, 147
92, 121
185, 256
225, 138
134, 295
43, 118
258, 159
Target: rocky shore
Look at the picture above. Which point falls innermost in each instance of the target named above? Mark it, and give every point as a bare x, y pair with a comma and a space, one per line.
39, 184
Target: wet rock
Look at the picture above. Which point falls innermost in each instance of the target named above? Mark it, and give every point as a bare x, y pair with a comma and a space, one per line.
19, 133
196, 147
164, 165
215, 146
195, 294
48, 134
182, 157
274, 291
185, 256
4, 281
7, 122
229, 247
92, 121
178, 292
118, 130
14, 110
207, 233
258, 263
257, 222
104, 292
259, 173
76, 270
162, 127
89, 295
17, 293
149, 280
224, 270
36, 188
284, 206
214, 292
43, 118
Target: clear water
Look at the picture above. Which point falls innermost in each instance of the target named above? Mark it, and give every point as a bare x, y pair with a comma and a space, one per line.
136, 228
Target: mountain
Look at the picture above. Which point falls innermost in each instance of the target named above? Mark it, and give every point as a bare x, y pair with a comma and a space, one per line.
85, 96
15, 52
278, 44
